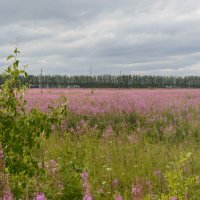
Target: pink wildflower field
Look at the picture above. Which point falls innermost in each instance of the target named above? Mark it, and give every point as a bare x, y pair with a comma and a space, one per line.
101, 101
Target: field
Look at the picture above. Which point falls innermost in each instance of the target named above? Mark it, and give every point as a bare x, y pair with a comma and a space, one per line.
109, 144
123, 143
120, 101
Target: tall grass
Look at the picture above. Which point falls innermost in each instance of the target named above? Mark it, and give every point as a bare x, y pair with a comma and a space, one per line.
118, 156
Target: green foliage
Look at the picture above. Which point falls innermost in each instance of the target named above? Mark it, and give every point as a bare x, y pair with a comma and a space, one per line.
21, 132
70, 174
180, 184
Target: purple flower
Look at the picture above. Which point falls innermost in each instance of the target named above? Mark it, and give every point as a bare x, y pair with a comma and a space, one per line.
7, 196
87, 197
1, 154
51, 166
115, 182
173, 198
53, 162
137, 189
40, 196
84, 175
158, 173
119, 197
53, 128
108, 132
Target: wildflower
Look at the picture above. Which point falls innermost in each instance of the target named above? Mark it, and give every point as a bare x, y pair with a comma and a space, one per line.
1, 154
87, 197
64, 125
84, 175
108, 132
115, 183
7, 196
133, 138
86, 186
119, 197
173, 198
83, 123
158, 173
51, 166
40, 196
79, 130
137, 189
53, 128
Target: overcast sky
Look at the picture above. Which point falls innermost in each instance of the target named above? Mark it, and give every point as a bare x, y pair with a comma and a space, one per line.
151, 37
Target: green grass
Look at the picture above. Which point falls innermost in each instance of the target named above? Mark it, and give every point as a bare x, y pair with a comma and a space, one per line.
115, 164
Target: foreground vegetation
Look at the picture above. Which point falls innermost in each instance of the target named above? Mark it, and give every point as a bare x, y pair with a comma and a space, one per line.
60, 154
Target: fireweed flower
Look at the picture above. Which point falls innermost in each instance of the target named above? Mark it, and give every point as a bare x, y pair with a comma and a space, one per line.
137, 190
1, 154
52, 166
40, 196
86, 186
108, 132
119, 197
87, 197
101, 101
115, 183
83, 123
133, 138
158, 173
84, 175
64, 125
53, 128
7, 196
173, 198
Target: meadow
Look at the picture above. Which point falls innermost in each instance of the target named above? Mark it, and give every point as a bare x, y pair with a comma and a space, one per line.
119, 144
123, 143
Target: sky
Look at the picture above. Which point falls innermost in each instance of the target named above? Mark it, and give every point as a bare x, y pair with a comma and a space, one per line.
70, 37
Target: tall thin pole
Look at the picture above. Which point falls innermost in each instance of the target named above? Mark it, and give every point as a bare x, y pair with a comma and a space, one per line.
120, 78
41, 82
90, 76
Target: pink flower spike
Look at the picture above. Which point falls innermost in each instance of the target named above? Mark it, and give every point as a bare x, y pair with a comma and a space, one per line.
7, 196
40, 196
84, 175
119, 197
87, 197
173, 198
1, 154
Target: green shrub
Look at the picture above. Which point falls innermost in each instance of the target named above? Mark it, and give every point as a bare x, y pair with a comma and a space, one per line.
21, 133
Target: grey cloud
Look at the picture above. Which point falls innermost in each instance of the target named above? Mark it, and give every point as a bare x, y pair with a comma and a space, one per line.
67, 36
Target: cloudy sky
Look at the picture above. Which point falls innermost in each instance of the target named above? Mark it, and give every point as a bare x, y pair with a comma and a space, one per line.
157, 37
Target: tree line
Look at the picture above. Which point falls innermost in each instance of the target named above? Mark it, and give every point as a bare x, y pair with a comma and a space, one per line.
109, 81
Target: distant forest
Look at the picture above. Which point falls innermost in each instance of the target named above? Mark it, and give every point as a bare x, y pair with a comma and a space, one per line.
109, 81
